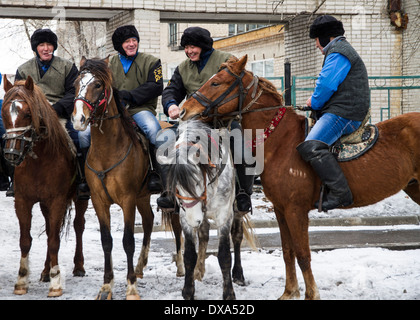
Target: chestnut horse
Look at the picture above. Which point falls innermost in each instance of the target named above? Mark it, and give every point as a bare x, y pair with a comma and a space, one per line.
289, 182
41, 150
116, 169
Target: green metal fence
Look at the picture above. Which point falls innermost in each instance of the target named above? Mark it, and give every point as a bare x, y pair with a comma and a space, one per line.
378, 83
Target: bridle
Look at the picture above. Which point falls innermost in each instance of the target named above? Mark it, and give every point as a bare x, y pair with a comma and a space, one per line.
210, 105
103, 100
194, 201
27, 142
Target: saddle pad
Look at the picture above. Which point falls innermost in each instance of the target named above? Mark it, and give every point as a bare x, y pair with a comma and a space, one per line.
349, 151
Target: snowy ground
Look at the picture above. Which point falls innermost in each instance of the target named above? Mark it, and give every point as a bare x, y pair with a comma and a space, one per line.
344, 274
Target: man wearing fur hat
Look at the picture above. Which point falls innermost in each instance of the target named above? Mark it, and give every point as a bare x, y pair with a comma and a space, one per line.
55, 76
341, 101
202, 62
138, 77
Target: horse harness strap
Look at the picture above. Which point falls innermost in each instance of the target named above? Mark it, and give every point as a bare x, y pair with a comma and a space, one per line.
202, 198
101, 174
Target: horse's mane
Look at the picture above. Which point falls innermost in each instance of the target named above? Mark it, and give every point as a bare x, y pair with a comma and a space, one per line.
265, 84
45, 120
100, 69
183, 172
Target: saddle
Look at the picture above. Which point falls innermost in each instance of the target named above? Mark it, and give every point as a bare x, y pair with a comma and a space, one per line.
354, 145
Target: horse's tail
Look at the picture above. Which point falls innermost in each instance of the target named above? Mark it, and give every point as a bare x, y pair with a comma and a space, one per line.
249, 234
167, 221
66, 223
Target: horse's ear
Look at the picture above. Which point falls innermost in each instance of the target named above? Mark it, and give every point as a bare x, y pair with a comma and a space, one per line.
29, 84
82, 61
106, 60
239, 66
7, 84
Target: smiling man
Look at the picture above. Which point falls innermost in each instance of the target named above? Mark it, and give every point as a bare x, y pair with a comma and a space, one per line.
55, 76
203, 61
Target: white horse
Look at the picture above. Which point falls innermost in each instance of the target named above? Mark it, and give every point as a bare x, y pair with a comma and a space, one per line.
202, 176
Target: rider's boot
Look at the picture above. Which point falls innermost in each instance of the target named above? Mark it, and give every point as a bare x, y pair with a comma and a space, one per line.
244, 188
154, 183
83, 190
317, 154
166, 201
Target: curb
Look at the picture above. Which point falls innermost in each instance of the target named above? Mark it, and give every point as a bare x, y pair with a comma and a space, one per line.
328, 222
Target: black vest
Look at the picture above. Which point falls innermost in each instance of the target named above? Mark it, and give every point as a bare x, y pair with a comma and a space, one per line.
351, 100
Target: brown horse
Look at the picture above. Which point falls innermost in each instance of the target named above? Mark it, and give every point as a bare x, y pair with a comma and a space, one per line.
38, 145
289, 182
116, 169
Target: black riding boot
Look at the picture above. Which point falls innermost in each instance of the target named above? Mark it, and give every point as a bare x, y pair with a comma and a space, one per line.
4, 173
244, 188
154, 183
166, 201
317, 154
83, 191
11, 191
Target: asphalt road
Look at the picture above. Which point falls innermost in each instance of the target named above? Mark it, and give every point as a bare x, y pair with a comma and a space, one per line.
390, 238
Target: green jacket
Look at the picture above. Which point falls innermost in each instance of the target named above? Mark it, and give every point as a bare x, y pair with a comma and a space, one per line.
57, 83
141, 86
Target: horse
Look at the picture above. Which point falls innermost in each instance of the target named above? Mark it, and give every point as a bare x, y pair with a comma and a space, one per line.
116, 170
391, 165
201, 176
40, 149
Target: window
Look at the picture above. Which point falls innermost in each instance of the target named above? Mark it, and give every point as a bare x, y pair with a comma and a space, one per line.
263, 68
173, 34
235, 29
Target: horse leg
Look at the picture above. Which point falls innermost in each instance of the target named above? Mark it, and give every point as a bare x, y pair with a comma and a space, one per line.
291, 288
79, 227
54, 221
23, 212
413, 191
203, 240
102, 212
45, 274
129, 246
237, 236
147, 216
225, 262
190, 260
179, 260
298, 223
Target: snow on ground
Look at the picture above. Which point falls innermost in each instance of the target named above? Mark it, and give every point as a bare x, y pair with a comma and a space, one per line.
344, 274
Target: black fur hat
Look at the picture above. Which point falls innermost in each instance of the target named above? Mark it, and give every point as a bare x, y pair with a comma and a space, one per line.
41, 36
198, 37
326, 26
121, 34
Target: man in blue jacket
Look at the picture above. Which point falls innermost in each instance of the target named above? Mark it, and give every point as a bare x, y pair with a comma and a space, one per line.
341, 100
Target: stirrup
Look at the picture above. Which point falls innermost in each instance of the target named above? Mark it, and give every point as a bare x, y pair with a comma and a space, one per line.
246, 197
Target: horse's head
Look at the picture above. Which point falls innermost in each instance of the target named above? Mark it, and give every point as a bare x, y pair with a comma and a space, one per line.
223, 93
17, 120
93, 91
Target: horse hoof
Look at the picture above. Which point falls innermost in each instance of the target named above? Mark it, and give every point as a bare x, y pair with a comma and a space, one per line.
20, 291
79, 273
45, 277
55, 293
139, 275
133, 297
104, 296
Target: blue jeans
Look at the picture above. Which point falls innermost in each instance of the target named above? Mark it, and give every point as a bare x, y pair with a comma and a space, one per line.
330, 127
146, 121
